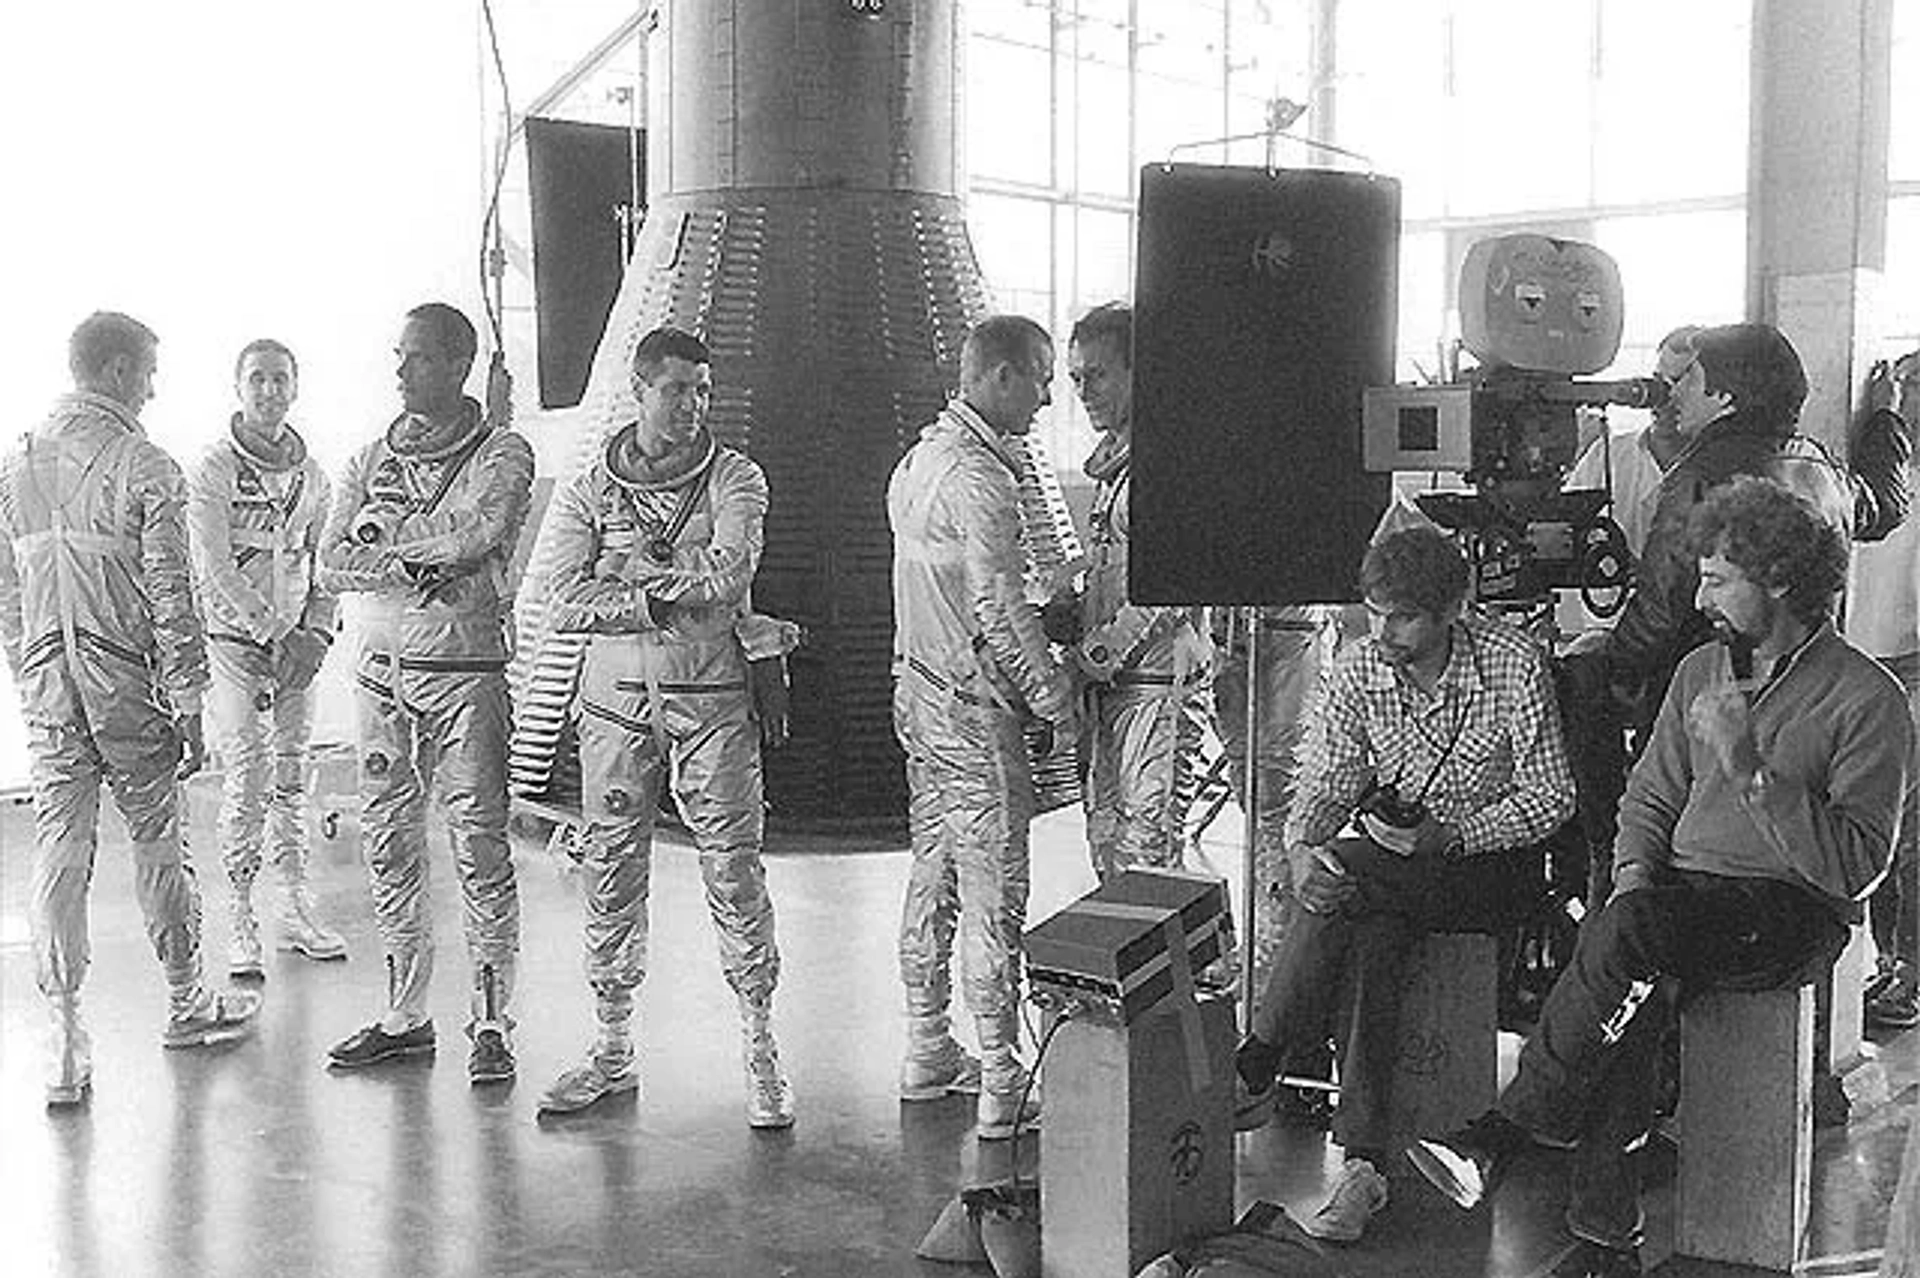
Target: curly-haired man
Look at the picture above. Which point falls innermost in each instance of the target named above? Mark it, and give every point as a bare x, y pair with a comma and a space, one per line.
1759, 817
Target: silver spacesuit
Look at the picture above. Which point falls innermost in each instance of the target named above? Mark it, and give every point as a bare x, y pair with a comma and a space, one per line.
655, 562
1143, 665
254, 511
100, 633
971, 670
1291, 649
423, 527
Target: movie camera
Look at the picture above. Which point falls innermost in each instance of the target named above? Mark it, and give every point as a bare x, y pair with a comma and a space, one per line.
1383, 800
1537, 313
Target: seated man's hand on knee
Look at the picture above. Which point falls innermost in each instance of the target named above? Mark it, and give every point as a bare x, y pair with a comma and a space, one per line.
1631, 877
1320, 882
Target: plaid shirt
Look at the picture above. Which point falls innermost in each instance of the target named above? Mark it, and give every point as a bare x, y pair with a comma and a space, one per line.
1485, 746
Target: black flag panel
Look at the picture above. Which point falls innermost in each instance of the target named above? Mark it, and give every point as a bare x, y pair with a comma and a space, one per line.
1264, 305
583, 179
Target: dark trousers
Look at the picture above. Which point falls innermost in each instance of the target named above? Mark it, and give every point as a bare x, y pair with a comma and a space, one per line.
1895, 908
1586, 1075
1355, 959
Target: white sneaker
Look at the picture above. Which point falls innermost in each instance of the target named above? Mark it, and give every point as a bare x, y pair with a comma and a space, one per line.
215, 1018
70, 1076
948, 1069
769, 1094
302, 933
769, 1099
601, 1076
1359, 1192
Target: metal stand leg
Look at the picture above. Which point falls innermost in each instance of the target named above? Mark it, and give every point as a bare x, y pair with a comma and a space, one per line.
1250, 792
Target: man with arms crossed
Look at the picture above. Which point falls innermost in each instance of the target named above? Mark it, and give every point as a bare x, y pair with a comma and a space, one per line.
423, 525
657, 544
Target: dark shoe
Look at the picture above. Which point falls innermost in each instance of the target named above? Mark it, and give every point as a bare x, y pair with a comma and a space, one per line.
372, 1045
1467, 1164
491, 1060
1253, 1103
1591, 1260
1252, 1109
1306, 1107
1895, 1003
1884, 970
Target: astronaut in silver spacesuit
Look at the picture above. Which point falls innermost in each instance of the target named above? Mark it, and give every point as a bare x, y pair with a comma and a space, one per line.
656, 545
1142, 664
101, 637
255, 502
972, 671
423, 527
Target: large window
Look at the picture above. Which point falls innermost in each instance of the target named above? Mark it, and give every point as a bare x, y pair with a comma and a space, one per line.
1900, 312
1619, 121
1125, 82
1623, 122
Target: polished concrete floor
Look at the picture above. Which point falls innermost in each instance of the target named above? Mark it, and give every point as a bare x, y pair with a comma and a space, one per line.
252, 1160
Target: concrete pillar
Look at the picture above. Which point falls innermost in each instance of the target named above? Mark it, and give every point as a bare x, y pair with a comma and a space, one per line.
1817, 227
1816, 189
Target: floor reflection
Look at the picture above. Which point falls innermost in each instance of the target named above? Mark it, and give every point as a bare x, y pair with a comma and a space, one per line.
254, 1160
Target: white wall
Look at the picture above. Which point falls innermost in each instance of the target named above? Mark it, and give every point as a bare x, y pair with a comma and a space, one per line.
224, 170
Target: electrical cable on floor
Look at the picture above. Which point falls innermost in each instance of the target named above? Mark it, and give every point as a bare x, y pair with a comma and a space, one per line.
1026, 1088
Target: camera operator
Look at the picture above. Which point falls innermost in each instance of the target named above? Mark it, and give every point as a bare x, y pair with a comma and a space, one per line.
1440, 736
1736, 392
1632, 464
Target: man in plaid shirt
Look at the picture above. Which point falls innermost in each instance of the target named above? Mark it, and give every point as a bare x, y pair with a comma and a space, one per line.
1440, 740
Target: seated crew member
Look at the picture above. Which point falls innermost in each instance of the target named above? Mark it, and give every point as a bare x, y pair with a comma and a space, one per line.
1757, 819
1736, 392
1455, 713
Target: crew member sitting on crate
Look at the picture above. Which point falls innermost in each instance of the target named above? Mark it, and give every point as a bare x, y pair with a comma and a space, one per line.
1440, 736
1759, 816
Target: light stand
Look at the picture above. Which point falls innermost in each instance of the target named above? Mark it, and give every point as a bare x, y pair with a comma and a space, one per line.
1250, 823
